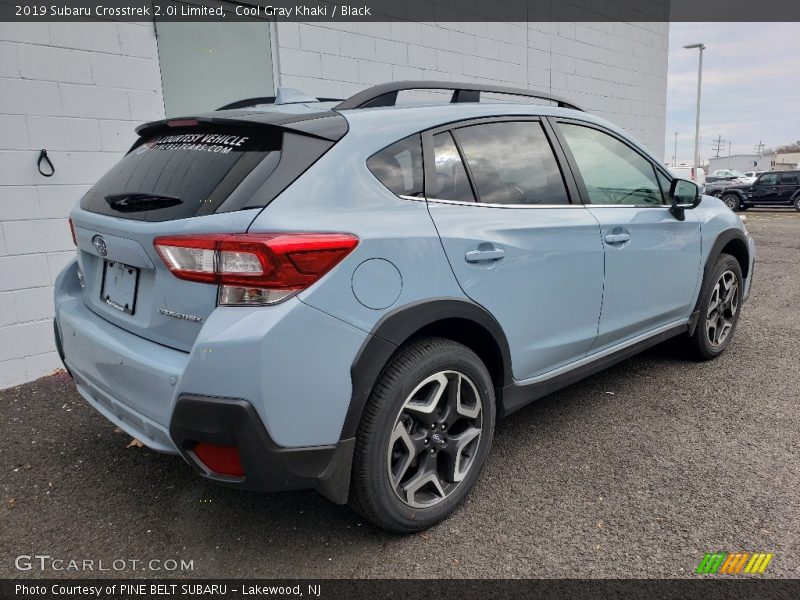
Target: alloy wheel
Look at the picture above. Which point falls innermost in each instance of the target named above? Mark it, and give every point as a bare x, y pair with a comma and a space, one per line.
434, 439
731, 202
722, 308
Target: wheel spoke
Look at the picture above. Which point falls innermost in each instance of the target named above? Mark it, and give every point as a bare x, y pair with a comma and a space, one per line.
458, 461
714, 302
430, 393
400, 434
427, 478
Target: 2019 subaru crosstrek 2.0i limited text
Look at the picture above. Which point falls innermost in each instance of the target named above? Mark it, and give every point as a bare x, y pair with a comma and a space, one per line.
305, 294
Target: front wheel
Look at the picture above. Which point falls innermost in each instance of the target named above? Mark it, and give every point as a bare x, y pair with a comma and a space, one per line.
797, 203
731, 201
719, 309
424, 436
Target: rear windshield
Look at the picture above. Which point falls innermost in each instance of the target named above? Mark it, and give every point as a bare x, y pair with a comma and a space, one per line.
184, 173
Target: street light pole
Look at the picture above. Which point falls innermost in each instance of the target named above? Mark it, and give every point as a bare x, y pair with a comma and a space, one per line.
675, 152
700, 47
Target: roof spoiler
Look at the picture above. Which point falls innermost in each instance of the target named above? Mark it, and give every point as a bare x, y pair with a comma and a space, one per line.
324, 125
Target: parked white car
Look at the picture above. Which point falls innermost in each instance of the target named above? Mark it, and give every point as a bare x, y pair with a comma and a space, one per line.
696, 174
750, 176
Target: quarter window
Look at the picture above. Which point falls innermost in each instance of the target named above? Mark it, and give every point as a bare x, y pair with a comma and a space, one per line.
789, 179
512, 163
613, 172
399, 167
451, 181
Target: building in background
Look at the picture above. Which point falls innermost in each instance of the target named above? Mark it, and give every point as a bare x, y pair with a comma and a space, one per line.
742, 162
79, 89
782, 161
786, 160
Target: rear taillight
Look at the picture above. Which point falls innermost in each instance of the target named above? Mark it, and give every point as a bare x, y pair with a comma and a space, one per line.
254, 268
224, 460
72, 231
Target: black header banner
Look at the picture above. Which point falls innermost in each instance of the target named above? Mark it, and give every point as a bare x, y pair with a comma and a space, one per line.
407, 10
436, 589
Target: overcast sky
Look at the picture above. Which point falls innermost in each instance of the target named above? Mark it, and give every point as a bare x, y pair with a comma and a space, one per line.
751, 86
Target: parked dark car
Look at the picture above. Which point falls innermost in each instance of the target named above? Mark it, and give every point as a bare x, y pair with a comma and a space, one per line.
776, 188
724, 175
717, 188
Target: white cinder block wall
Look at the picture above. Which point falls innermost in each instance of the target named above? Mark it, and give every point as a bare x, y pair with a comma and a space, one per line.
616, 70
77, 90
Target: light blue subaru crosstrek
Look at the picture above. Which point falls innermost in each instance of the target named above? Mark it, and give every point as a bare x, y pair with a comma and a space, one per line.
294, 293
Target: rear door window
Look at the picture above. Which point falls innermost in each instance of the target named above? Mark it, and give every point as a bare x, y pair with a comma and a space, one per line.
451, 181
512, 163
184, 173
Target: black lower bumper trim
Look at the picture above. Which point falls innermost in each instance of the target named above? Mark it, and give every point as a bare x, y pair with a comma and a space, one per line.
267, 466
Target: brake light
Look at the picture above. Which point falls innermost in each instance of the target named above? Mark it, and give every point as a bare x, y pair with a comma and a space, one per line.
72, 231
182, 123
224, 460
254, 268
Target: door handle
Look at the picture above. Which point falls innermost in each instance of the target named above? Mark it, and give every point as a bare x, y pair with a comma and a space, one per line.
475, 256
617, 238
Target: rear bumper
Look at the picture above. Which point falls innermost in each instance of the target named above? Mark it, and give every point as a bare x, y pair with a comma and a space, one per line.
129, 380
245, 383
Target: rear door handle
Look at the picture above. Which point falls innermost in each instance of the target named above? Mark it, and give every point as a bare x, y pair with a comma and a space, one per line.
474, 256
618, 238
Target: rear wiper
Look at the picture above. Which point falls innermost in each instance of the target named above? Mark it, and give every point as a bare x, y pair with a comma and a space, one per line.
140, 201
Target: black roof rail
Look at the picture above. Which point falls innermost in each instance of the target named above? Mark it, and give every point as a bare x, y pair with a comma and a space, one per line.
385, 94
247, 102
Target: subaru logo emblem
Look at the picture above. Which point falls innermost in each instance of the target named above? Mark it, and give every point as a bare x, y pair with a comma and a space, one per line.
100, 245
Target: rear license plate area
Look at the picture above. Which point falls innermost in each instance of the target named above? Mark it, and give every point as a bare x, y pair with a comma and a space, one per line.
119, 286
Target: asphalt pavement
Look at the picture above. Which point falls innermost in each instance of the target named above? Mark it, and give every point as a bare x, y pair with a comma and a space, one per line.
635, 472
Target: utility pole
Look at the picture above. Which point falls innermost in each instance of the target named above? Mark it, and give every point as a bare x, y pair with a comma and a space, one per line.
729, 149
718, 145
759, 148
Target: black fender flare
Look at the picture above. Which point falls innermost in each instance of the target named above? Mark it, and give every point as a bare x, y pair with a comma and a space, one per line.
395, 328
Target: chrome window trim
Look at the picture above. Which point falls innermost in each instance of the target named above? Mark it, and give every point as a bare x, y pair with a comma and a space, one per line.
486, 205
628, 206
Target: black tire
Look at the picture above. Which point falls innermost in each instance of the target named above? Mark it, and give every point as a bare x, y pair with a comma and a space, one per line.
732, 201
372, 487
797, 203
708, 323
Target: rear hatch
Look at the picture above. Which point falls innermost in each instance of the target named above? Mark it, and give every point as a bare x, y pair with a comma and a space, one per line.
209, 174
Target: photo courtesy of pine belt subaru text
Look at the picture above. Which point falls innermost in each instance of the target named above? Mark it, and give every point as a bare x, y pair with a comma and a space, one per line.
308, 293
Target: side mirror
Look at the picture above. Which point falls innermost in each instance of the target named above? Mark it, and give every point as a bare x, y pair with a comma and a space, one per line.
684, 195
